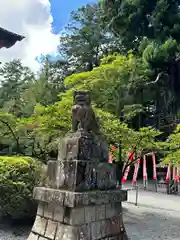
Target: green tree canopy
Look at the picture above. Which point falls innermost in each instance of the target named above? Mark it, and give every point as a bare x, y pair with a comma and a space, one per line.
134, 20
86, 38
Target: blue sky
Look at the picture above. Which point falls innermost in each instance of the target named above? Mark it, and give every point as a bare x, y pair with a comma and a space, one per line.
61, 11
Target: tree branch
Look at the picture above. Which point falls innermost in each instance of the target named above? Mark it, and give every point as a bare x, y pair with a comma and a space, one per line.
156, 81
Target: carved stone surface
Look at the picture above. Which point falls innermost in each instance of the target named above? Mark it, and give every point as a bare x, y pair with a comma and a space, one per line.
83, 146
81, 175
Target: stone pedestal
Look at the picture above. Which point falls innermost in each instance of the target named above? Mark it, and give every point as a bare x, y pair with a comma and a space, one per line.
81, 200
66, 215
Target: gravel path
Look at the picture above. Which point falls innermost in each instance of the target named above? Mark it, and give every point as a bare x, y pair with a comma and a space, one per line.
9, 233
157, 216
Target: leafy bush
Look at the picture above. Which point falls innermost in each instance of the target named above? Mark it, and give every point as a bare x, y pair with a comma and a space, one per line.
18, 176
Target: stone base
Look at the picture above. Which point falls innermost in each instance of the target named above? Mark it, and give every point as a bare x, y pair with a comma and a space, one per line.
92, 215
109, 229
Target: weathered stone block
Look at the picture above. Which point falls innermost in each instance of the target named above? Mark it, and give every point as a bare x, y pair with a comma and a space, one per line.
100, 212
39, 226
59, 213
33, 236
96, 230
74, 216
82, 175
60, 231
69, 148
66, 232
49, 210
90, 213
113, 209
51, 230
74, 199
113, 225
84, 232
83, 145
40, 210
52, 172
105, 227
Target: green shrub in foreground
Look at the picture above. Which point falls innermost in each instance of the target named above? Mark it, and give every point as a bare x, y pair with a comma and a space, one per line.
18, 176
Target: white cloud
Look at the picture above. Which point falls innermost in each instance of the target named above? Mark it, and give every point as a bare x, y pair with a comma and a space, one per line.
32, 19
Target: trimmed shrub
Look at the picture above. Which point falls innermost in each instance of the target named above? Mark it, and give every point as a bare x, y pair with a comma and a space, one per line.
18, 176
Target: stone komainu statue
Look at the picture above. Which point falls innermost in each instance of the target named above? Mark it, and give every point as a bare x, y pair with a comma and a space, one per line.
83, 116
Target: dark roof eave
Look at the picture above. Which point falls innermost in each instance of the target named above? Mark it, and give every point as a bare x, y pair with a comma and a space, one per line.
8, 39
11, 34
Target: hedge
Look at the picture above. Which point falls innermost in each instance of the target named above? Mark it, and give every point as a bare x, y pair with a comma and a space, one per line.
18, 176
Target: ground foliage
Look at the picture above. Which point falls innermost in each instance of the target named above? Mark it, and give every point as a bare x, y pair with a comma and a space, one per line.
18, 176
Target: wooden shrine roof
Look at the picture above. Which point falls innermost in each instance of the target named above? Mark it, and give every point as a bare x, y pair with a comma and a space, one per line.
8, 38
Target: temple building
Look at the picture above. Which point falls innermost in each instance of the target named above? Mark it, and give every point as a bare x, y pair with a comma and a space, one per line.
8, 39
